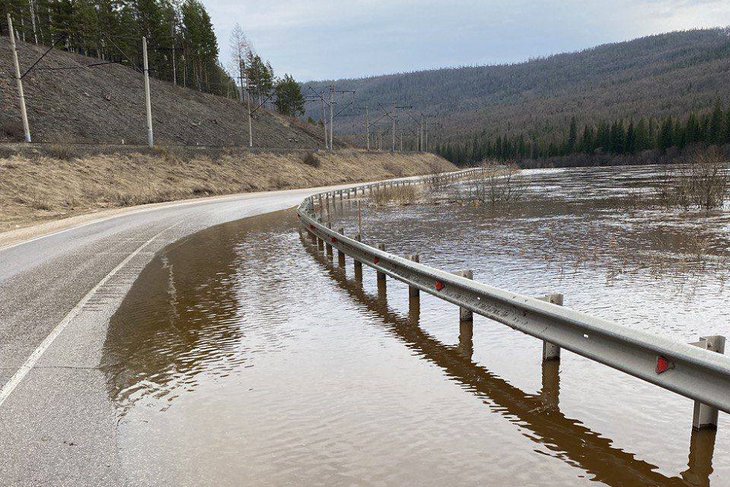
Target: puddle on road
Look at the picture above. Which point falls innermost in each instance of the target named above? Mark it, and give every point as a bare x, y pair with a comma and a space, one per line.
241, 356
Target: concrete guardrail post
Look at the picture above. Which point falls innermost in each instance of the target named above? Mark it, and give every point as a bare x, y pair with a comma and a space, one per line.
705, 417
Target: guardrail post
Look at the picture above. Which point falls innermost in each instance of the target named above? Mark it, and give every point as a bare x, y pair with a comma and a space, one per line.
550, 351
706, 416
340, 253
328, 245
356, 263
466, 315
466, 324
381, 275
320, 242
414, 294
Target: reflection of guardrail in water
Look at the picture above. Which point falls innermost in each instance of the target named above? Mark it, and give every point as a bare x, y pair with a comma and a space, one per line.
540, 413
695, 372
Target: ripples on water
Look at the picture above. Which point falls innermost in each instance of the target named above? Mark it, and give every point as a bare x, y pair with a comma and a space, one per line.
241, 356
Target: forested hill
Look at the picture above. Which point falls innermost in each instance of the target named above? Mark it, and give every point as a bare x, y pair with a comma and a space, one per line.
657, 76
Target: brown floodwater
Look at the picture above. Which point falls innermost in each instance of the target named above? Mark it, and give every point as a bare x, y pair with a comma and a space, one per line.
243, 356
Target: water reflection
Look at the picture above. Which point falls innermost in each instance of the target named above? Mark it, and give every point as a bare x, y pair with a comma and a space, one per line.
538, 415
172, 327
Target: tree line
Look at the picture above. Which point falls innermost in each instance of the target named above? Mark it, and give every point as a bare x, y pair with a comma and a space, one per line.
620, 137
182, 45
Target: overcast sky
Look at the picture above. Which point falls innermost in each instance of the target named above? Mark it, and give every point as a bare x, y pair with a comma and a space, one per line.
326, 39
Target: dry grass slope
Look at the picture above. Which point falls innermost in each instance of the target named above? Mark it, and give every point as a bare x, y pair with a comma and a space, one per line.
41, 188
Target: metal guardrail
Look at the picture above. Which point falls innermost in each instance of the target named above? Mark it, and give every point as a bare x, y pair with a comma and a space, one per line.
695, 371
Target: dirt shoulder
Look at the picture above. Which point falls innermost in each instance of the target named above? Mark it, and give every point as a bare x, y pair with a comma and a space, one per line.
44, 188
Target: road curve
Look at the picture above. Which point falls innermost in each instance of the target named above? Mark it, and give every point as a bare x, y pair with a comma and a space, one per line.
57, 293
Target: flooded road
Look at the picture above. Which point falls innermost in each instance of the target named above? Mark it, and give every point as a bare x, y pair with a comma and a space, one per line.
242, 356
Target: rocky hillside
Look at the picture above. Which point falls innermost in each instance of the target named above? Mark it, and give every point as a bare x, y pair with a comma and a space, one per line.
72, 101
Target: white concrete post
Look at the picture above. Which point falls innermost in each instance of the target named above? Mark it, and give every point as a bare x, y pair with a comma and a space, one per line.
147, 98
19, 81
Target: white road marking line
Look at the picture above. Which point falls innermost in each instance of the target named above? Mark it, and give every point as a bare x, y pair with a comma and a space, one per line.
28, 365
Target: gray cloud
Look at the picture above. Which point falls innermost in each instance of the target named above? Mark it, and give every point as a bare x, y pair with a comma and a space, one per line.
321, 39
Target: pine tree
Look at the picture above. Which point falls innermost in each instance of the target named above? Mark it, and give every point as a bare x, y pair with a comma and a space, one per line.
630, 143
572, 136
714, 135
665, 139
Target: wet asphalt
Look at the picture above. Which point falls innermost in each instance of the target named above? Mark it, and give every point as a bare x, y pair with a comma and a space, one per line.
58, 426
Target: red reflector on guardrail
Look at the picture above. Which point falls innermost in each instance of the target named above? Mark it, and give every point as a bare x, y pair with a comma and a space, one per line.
334, 240
662, 365
440, 285
311, 227
376, 260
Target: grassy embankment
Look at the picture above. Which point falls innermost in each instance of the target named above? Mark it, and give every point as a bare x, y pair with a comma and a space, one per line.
39, 186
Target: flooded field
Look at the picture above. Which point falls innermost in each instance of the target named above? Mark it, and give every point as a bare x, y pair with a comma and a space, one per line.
242, 356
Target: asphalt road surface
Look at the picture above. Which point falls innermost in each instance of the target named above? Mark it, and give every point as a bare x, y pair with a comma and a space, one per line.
57, 293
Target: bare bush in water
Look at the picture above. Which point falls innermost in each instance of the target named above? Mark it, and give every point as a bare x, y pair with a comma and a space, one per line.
495, 184
395, 195
702, 183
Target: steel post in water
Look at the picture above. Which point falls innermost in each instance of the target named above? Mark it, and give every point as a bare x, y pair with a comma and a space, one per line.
328, 245
550, 351
381, 275
414, 294
340, 253
706, 416
466, 315
357, 264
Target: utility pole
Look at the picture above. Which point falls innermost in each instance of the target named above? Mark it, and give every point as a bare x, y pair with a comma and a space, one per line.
323, 118
174, 62
394, 118
367, 128
19, 80
421, 145
250, 124
332, 117
148, 100
244, 95
32, 20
